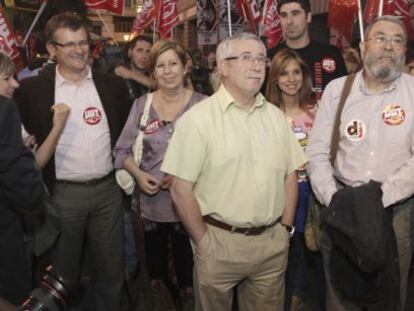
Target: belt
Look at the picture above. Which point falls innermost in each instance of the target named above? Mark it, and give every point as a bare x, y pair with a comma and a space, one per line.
90, 182
247, 231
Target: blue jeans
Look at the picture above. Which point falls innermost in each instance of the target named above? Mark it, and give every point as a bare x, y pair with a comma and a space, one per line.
296, 274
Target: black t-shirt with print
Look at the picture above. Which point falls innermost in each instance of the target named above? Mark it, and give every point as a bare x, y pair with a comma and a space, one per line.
324, 61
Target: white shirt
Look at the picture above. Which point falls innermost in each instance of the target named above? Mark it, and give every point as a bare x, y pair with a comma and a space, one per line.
376, 140
84, 148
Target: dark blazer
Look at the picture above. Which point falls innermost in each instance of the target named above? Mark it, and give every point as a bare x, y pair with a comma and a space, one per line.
21, 192
364, 257
37, 94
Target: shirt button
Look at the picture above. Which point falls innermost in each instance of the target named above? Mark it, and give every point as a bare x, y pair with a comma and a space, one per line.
371, 153
369, 173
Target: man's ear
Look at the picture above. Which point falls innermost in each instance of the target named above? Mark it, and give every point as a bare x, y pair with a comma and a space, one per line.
223, 68
51, 49
129, 53
362, 48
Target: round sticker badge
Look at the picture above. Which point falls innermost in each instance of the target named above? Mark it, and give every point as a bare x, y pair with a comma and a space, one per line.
328, 64
152, 127
92, 115
393, 115
355, 130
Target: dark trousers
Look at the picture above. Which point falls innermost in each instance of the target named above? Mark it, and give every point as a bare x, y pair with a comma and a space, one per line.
91, 213
403, 223
158, 240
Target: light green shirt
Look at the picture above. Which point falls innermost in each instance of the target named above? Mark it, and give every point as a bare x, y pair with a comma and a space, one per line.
238, 159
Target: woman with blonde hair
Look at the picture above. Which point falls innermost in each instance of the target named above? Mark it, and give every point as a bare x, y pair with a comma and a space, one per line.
167, 64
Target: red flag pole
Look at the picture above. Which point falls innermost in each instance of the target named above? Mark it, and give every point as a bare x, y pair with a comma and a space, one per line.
361, 23
39, 13
380, 7
261, 25
107, 28
153, 31
229, 18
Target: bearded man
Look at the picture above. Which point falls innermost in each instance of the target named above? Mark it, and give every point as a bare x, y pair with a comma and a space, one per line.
376, 141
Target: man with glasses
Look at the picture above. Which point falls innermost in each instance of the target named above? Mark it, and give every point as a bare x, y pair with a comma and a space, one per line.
80, 172
233, 159
376, 141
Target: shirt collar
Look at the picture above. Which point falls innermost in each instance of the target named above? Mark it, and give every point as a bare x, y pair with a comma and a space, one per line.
364, 90
225, 99
61, 80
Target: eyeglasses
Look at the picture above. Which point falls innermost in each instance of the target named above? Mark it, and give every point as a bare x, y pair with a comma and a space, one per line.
72, 44
248, 59
381, 40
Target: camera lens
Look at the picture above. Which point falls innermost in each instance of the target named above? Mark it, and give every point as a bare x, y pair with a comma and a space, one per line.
51, 295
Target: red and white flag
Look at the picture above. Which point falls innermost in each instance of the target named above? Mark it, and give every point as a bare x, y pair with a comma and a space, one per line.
115, 6
400, 8
250, 10
271, 23
342, 15
144, 18
7, 41
370, 11
167, 18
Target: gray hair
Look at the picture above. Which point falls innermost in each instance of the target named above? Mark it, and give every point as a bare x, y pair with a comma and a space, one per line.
6, 65
386, 18
224, 48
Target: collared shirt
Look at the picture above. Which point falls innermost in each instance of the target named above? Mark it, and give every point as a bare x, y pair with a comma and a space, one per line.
84, 148
376, 140
238, 159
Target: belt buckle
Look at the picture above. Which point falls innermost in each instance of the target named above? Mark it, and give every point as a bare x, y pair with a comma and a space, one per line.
233, 229
248, 231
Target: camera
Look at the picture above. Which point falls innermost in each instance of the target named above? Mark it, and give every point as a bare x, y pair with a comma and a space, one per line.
51, 295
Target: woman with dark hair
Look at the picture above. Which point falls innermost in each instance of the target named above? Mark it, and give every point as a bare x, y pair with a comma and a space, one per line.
290, 88
167, 64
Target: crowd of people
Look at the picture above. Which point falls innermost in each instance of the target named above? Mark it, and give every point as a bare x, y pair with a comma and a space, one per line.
226, 156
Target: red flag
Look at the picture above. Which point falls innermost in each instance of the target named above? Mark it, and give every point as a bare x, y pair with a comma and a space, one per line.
145, 17
390, 7
342, 15
115, 6
399, 8
167, 18
7, 41
250, 9
370, 11
271, 22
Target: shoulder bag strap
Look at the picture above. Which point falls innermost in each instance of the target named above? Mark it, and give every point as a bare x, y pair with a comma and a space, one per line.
335, 132
137, 147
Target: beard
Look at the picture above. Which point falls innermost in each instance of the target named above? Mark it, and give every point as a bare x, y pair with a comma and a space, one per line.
384, 73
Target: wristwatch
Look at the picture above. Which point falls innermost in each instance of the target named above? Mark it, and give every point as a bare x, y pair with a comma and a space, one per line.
290, 229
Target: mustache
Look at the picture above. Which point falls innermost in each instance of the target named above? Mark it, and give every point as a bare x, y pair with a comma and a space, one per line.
387, 55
